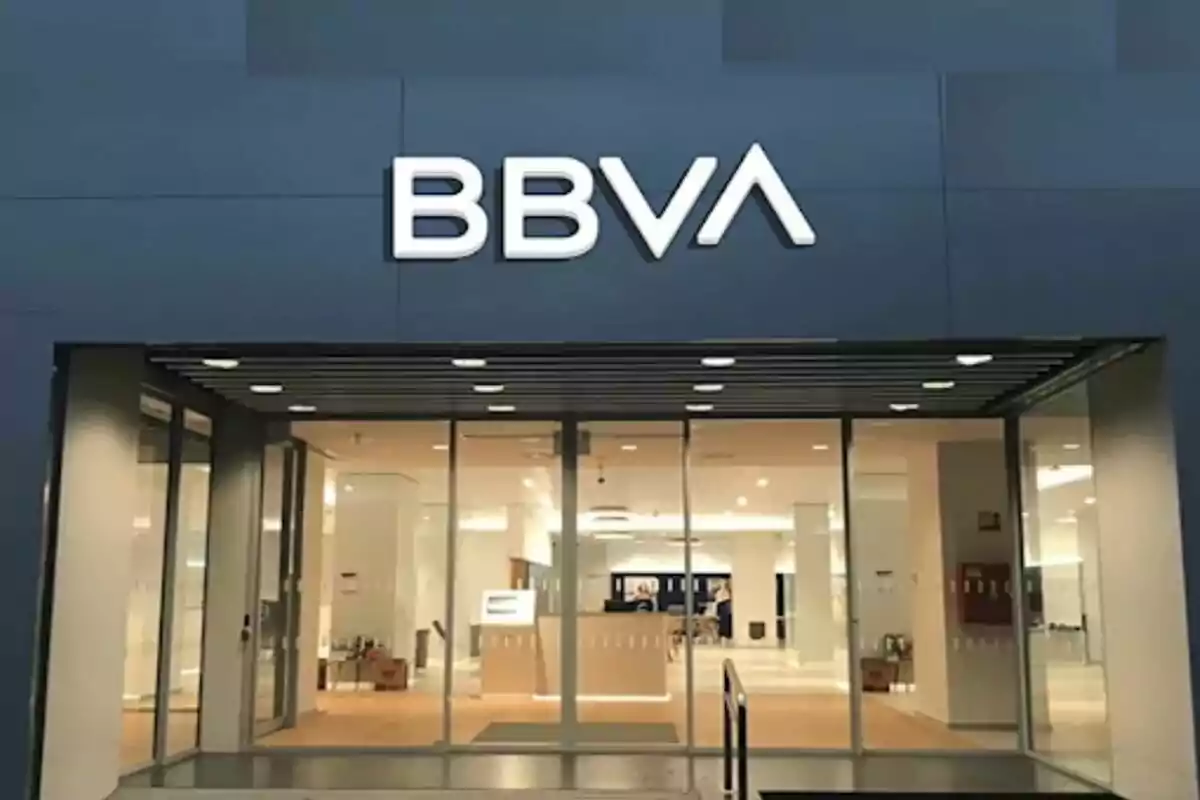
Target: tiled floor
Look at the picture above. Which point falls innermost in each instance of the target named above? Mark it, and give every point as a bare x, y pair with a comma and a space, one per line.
957, 775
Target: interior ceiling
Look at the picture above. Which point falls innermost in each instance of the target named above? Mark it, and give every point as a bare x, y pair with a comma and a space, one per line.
789, 379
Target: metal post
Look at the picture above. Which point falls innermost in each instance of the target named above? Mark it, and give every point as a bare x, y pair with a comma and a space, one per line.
1012, 467
166, 607
689, 591
568, 580
727, 733
451, 549
853, 646
743, 765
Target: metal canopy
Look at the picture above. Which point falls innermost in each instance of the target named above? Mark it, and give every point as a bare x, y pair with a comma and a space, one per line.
784, 379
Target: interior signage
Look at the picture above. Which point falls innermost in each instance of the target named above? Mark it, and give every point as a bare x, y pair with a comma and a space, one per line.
509, 607
657, 230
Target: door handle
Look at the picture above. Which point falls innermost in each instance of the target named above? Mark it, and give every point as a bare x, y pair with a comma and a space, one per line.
245, 634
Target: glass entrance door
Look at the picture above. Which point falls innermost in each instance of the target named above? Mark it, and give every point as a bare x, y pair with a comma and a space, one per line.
632, 675
278, 561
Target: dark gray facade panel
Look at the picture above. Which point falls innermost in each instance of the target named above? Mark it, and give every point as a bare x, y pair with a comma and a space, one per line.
1067, 263
1073, 131
126, 37
820, 131
27, 361
1158, 34
877, 272
199, 133
478, 37
936, 35
279, 269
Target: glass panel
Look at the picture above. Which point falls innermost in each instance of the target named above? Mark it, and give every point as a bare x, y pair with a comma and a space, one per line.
631, 669
144, 606
191, 548
272, 605
507, 594
769, 564
1066, 645
933, 559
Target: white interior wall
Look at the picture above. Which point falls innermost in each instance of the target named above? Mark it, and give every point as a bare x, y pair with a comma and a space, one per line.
1149, 686
883, 568
929, 619
98, 501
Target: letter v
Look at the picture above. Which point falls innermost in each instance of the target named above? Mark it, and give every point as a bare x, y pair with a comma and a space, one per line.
658, 231
756, 170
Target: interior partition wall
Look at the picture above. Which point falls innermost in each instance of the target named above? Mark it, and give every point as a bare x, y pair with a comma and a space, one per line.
861, 574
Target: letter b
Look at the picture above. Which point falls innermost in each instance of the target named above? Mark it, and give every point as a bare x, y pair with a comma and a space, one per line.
463, 205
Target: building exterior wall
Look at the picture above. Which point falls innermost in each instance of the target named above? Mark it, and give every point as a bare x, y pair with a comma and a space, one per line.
215, 172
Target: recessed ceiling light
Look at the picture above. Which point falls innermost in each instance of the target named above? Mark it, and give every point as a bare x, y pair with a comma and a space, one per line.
502, 409
699, 407
489, 388
266, 388
820, 447
937, 385
709, 387
528, 482
221, 363
301, 408
441, 447
762, 483
1071, 446
742, 501
973, 359
904, 406
469, 363
1089, 501
629, 447
718, 361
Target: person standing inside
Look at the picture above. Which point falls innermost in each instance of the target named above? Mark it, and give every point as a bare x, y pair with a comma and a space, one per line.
724, 602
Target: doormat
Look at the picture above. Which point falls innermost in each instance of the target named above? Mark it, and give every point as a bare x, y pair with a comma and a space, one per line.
585, 733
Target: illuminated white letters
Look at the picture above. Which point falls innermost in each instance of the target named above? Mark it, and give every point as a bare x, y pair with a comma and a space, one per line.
657, 231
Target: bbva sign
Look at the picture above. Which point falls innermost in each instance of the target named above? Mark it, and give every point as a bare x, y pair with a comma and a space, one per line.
656, 230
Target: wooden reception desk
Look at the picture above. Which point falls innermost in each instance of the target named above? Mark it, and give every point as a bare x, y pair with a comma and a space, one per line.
619, 655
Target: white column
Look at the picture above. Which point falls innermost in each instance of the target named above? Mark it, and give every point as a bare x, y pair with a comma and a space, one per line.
85, 681
230, 574
374, 583
753, 578
309, 635
812, 593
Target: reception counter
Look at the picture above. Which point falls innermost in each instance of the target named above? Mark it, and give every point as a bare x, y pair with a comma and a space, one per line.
619, 655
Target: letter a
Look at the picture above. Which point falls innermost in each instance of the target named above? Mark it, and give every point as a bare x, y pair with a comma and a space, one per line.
756, 170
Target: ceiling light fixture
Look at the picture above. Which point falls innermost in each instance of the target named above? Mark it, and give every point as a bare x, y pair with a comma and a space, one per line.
469, 363
629, 447
742, 501
973, 359
266, 388
1071, 446
441, 447
489, 388
301, 408
762, 483
502, 409
528, 482
709, 387
718, 361
611, 536
221, 363
937, 385
904, 406
699, 408
821, 447
1089, 501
